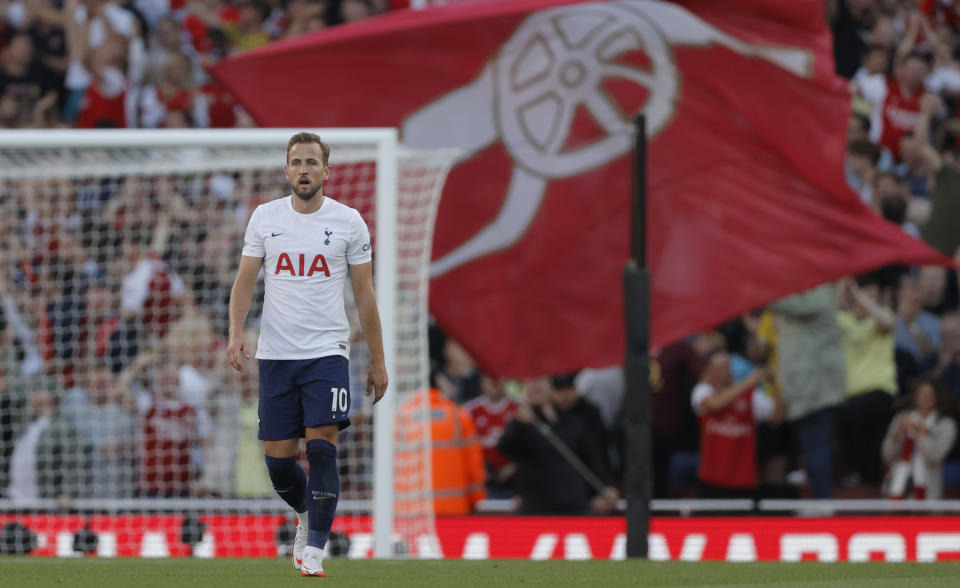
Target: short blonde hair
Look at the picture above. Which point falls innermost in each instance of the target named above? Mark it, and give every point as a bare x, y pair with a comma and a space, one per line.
309, 138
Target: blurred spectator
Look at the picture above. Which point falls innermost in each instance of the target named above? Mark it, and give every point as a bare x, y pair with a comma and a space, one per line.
128, 210
917, 331
936, 290
459, 378
891, 200
174, 94
917, 442
102, 409
103, 332
920, 159
862, 419
566, 397
871, 78
168, 427
190, 344
940, 230
946, 70
49, 459
27, 92
603, 388
708, 343
490, 413
456, 453
251, 479
305, 16
858, 127
104, 19
883, 31
861, 168
811, 373
354, 10
15, 334
776, 440
547, 482
674, 371
13, 403
99, 90
167, 39
849, 20
947, 369
217, 461
242, 24
901, 105
729, 413
150, 290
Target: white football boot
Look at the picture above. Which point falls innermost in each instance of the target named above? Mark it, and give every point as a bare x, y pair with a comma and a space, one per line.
299, 543
312, 565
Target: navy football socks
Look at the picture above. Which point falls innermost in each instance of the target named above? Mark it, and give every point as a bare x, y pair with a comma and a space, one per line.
323, 490
288, 480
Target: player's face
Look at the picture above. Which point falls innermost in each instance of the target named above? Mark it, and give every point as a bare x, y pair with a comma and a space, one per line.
306, 170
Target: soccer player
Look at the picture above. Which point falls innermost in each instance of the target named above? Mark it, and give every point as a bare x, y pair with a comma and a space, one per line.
306, 243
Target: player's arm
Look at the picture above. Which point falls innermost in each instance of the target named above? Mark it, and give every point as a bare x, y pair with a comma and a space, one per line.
240, 297
361, 277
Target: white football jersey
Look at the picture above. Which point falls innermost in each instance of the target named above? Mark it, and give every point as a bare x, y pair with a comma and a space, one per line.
305, 263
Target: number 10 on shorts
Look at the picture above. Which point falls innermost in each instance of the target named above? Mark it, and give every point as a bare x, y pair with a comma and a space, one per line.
338, 395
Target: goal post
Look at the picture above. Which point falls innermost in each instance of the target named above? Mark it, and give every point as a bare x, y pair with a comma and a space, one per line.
386, 290
83, 193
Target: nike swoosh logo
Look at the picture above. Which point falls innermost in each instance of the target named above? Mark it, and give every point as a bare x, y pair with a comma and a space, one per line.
275, 234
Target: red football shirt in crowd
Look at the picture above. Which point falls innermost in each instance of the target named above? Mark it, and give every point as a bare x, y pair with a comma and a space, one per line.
169, 430
728, 440
900, 114
491, 419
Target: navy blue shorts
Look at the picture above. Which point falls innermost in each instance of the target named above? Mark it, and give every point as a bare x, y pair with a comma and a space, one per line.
300, 393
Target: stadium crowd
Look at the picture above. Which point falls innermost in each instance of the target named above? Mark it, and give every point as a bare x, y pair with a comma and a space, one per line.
141, 63
114, 296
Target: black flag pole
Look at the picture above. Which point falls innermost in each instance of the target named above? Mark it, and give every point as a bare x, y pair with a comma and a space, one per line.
636, 304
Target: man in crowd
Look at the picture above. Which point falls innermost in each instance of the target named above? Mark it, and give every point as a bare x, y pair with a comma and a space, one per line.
812, 376
729, 413
49, 460
674, 370
490, 413
457, 456
862, 420
947, 369
28, 88
102, 409
917, 332
546, 429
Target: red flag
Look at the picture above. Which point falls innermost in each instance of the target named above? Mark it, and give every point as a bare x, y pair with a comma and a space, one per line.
747, 202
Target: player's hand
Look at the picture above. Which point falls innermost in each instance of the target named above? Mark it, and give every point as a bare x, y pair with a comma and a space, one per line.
236, 352
377, 380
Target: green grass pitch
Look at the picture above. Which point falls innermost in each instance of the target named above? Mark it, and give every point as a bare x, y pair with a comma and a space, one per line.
27, 572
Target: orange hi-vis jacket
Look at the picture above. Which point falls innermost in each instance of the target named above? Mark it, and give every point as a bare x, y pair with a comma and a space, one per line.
457, 472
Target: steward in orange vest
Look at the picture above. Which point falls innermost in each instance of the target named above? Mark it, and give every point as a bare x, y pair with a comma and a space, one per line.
458, 473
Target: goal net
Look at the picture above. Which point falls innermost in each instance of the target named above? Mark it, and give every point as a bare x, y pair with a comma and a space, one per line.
123, 431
